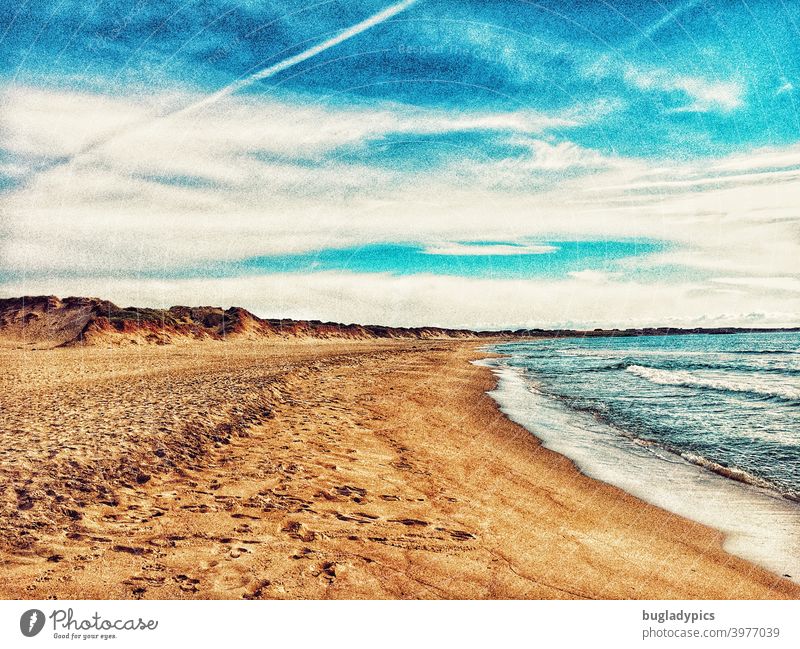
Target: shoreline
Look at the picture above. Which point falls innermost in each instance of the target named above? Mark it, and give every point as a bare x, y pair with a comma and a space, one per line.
376, 471
654, 474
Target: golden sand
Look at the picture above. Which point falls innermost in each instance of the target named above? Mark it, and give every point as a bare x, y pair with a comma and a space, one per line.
314, 470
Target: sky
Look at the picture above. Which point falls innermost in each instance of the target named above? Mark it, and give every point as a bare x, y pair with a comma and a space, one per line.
485, 164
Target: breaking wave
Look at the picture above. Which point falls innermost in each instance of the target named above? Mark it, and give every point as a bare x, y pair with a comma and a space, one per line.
723, 382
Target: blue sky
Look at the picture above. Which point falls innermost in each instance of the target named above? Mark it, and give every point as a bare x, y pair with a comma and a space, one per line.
589, 162
458, 56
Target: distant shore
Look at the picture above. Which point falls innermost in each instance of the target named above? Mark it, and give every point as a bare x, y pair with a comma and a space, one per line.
349, 469
47, 321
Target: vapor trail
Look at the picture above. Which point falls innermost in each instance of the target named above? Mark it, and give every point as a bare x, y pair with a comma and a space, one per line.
228, 90
272, 70
659, 24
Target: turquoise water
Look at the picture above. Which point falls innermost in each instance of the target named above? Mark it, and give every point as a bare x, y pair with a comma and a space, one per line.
728, 403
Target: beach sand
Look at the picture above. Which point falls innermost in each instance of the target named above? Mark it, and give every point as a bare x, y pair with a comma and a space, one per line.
314, 470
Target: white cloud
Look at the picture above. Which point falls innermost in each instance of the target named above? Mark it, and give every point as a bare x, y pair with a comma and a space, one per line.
762, 158
495, 249
559, 156
249, 178
703, 95
41, 123
593, 276
790, 284
145, 131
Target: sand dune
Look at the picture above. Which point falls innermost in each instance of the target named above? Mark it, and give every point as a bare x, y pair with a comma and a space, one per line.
324, 470
46, 321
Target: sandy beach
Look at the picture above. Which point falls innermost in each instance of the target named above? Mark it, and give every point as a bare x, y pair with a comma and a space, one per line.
308, 469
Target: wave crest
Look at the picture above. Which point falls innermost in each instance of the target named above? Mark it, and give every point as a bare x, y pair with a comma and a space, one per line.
723, 382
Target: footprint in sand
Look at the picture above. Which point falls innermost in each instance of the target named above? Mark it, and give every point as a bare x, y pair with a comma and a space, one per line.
325, 570
258, 590
186, 583
411, 522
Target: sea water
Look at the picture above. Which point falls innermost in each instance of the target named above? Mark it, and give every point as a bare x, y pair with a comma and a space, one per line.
706, 426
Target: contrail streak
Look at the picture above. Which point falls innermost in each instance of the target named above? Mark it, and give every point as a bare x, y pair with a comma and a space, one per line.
659, 24
230, 89
272, 70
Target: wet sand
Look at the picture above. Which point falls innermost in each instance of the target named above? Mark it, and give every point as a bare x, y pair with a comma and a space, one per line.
314, 470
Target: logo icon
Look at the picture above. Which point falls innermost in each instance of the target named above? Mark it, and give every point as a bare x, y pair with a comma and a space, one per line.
31, 622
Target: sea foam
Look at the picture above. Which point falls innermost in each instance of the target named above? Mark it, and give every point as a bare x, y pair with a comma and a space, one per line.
758, 524
726, 382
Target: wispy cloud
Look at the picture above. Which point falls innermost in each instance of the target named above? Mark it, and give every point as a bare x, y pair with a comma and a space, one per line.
263, 167
559, 155
73, 123
702, 95
789, 284
593, 276
493, 249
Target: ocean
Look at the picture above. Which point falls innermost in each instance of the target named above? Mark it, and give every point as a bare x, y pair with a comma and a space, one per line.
706, 426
